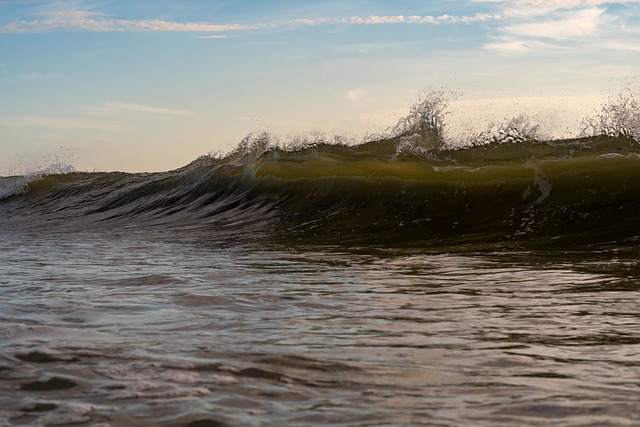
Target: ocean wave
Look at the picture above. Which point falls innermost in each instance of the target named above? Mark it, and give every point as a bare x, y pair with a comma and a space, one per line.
410, 186
14, 185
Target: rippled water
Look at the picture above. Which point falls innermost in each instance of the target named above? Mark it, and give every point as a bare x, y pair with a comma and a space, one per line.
135, 329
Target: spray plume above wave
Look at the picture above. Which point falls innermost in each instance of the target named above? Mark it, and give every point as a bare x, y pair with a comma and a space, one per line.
425, 132
413, 185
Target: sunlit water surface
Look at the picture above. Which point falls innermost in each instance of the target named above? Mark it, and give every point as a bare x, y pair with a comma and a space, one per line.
134, 329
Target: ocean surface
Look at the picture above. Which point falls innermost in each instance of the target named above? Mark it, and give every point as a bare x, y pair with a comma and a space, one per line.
403, 281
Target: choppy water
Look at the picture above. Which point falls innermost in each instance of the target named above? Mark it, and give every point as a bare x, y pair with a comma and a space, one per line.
398, 282
133, 329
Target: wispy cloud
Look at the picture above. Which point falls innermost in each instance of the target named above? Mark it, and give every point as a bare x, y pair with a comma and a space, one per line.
81, 20
30, 77
544, 24
59, 123
115, 108
566, 25
515, 47
533, 8
102, 117
219, 36
623, 45
398, 19
522, 25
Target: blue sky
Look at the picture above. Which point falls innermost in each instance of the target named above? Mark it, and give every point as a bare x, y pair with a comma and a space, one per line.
150, 85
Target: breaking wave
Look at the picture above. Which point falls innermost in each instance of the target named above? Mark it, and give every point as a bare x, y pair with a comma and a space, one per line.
413, 185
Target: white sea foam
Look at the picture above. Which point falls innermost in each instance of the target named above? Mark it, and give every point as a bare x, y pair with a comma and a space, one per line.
154, 380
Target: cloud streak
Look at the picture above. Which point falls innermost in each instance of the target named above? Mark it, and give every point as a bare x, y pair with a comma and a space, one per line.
59, 123
115, 108
398, 19
623, 45
80, 20
101, 118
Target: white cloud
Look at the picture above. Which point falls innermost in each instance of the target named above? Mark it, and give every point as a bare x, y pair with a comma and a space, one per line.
113, 108
398, 19
547, 24
566, 25
514, 47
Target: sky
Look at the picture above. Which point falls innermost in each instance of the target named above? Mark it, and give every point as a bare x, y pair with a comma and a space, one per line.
150, 85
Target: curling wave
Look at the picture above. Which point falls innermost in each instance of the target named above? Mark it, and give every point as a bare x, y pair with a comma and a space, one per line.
409, 187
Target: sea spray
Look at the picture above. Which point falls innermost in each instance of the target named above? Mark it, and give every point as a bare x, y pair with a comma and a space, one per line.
620, 116
424, 128
517, 130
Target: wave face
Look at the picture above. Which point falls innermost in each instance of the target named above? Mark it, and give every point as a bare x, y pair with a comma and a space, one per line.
572, 190
409, 188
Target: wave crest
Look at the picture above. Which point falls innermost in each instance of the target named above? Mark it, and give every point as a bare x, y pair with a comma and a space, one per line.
424, 128
11, 186
619, 117
423, 132
517, 130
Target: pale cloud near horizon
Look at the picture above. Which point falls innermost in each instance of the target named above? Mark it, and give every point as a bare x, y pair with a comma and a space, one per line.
60, 123
95, 118
113, 108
